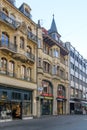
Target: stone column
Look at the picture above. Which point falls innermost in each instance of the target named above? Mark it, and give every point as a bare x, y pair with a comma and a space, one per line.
67, 102
54, 100
34, 103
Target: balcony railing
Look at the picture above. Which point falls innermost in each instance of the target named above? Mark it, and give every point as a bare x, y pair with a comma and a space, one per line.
8, 45
13, 48
15, 75
32, 36
7, 19
30, 56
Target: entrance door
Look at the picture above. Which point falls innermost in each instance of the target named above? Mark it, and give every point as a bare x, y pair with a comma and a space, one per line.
60, 107
46, 107
16, 110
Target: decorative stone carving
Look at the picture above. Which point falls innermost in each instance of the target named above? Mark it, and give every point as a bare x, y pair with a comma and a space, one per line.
23, 28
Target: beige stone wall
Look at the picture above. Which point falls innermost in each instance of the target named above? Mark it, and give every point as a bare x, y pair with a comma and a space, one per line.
19, 57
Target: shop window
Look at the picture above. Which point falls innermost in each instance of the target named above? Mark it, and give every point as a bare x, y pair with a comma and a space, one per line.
4, 95
27, 109
16, 96
27, 96
5, 39
21, 42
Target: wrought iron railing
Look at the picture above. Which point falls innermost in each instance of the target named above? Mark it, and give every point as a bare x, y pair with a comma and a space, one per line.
7, 19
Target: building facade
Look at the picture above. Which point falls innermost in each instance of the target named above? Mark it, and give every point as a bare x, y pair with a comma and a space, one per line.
18, 53
78, 81
53, 69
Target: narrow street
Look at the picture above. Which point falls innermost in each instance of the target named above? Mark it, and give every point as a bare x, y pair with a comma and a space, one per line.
72, 122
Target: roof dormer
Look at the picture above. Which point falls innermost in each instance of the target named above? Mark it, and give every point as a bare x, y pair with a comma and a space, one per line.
25, 9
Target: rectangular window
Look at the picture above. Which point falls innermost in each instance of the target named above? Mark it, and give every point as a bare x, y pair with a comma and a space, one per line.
39, 43
16, 96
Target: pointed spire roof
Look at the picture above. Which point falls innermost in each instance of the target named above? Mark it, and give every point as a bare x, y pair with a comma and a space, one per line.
53, 28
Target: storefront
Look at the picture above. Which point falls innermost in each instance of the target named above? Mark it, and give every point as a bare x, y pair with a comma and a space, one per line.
76, 107
46, 98
15, 103
61, 100
46, 105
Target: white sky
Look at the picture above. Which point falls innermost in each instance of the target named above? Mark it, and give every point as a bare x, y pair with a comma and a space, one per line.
70, 17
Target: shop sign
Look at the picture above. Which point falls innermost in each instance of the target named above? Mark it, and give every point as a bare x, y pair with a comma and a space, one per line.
40, 88
4, 97
61, 97
48, 97
47, 94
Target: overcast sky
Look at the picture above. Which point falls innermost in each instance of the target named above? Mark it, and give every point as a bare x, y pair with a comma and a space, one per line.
70, 17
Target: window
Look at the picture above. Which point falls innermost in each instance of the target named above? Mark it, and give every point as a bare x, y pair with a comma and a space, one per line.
22, 43
61, 91
47, 88
29, 49
29, 74
4, 94
61, 73
76, 93
39, 43
55, 53
47, 67
5, 11
15, 40
11, 68
5, 39
12, 16
72, 92
39, 62
26, 10
54, 69
3, 65
23, 72
16, 96
25, 96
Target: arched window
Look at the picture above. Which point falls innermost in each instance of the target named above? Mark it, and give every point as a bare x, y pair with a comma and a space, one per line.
5, 11
47, 67
29, 28
61, 91
29, 49
28, 73
3, 65
5, 39
21, 42
23, 72
47, 87
11, 68
12, 16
